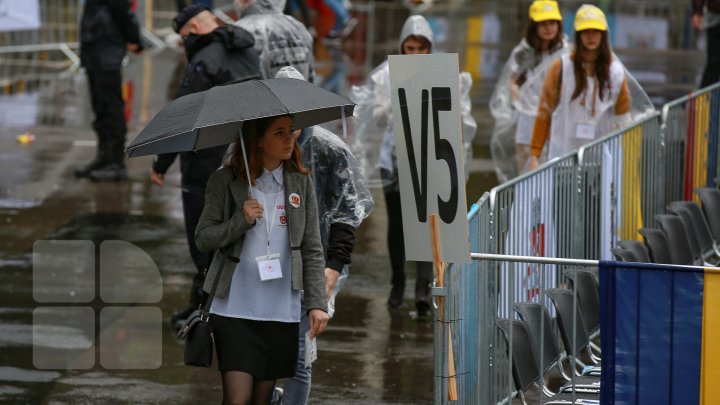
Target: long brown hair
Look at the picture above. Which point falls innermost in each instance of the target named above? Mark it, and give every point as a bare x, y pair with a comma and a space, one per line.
532, 38
252, 132
602, 66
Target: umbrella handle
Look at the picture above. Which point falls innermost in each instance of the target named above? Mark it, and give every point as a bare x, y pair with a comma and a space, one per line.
245, 160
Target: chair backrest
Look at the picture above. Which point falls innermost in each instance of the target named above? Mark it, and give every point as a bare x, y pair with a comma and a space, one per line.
637, 247
658, 244
694, 214
687, 223
563, 300
524, 365
538, 323
624, 255
677, 238
588, 292
710, 198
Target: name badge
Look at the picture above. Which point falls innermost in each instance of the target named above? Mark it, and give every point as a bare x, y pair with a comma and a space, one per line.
269, 267
585, 130
310, 349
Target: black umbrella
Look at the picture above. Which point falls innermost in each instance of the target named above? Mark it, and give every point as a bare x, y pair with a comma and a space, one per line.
214, 117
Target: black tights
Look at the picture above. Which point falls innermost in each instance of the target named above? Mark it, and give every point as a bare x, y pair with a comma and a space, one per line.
243, 389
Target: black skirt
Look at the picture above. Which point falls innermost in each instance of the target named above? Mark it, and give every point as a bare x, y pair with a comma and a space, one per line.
267, 350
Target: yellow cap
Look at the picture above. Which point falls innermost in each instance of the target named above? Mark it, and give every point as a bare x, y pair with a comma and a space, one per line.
545, 10
589, 17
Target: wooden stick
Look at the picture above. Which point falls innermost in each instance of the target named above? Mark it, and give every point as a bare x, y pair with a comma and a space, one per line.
439, 275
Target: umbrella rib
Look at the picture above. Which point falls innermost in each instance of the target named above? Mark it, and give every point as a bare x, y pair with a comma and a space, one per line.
273, 94
159, 139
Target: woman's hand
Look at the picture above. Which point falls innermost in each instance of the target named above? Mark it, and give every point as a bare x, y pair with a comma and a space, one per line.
318, 322
533, 164
252, 210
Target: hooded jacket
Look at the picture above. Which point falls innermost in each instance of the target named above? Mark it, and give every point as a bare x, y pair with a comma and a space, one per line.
374, 111
280, 39
105, 29
221, 57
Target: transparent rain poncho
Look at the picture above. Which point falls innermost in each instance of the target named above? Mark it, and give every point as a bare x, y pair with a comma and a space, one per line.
281, 40
342, 193
372, 140
341, 189
514, 110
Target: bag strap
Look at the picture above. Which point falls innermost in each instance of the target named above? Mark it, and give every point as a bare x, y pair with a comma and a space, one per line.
209, 299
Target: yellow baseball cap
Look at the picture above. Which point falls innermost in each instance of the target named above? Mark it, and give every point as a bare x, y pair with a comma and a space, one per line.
545, 10
589, 17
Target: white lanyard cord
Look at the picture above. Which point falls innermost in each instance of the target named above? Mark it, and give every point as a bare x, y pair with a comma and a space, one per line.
269, 226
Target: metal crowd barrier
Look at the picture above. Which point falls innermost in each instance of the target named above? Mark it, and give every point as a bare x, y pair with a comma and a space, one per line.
483, 359
619, 189
44, 52
691, 134
575, 207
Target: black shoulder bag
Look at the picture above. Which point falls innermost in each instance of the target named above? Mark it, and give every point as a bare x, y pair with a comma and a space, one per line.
197, 330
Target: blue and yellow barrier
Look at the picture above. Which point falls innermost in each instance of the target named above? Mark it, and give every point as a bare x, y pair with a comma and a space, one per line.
660, 334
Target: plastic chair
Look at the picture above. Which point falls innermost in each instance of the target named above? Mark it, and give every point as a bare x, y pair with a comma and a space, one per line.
677, 238
563, 301
524, 365
708, 246
536, 318
624, 255
710, 198
638, 249
687, 223
658, 244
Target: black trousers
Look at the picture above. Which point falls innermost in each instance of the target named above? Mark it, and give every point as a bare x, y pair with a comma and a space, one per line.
396, 245
193, 198
711, 74
109, 109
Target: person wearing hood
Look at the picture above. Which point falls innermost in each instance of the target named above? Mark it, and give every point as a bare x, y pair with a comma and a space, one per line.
343, 201
216, 55
280, 39
374, 104
514, 101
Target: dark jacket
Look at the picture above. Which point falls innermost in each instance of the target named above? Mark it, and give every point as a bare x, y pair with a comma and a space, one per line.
223, 56
222, 228
712, 5
107, 26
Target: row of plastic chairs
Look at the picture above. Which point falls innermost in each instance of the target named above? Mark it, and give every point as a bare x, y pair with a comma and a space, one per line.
533, 338
687, 234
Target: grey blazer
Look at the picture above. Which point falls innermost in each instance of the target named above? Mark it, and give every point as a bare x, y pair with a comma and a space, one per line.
222, 228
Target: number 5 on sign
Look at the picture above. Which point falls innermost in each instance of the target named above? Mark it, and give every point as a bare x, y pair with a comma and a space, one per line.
429, 147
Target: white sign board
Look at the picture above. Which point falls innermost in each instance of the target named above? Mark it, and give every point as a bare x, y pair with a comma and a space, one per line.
429, 146
18, 15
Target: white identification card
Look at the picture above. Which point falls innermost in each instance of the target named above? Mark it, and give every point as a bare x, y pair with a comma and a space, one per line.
310, 349
269, 267
585, 130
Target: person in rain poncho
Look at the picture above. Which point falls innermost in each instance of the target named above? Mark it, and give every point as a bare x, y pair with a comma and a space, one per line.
280, 39
514, 102
343, 203
587, 93
375, 126
253, 211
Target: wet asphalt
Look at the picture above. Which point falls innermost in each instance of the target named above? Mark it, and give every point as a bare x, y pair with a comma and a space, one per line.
125, 351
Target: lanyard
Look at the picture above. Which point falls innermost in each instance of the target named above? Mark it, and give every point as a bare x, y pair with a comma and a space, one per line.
269, 226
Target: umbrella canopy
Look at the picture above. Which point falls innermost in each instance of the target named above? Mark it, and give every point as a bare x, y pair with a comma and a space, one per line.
214, 117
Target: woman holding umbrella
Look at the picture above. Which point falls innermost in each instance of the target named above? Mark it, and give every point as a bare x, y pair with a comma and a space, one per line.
260, 215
